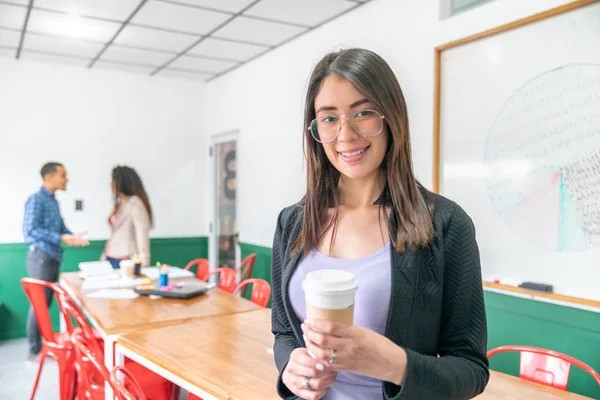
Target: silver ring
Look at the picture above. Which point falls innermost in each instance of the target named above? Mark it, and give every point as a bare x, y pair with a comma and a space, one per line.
306, 383
333, 356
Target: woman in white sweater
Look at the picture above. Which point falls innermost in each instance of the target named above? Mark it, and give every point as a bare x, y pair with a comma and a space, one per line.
130, 220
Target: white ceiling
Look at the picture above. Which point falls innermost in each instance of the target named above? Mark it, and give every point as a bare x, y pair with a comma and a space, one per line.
191, 39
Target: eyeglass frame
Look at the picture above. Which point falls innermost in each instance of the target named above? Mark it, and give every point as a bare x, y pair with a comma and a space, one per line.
381, 116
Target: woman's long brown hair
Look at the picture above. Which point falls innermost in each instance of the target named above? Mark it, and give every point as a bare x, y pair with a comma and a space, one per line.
410, 218
127, 182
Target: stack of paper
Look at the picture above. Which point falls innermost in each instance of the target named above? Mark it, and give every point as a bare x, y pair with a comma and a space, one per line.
113, 294
95, 283
96, 269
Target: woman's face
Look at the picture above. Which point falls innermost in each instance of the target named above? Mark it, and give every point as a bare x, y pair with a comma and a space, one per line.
354, 156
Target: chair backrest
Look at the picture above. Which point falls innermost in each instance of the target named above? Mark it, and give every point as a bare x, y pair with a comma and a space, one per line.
227, 278
202, 270
544, 366
85, 357
246, 266
261, 291
245, 269
71, 310
35, 289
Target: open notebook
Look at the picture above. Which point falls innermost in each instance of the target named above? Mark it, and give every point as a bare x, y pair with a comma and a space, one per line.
101, 275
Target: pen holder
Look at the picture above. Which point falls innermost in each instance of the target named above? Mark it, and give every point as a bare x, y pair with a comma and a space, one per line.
163, 280
137, 271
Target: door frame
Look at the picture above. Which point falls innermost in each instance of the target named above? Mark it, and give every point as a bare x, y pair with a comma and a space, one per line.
216, 139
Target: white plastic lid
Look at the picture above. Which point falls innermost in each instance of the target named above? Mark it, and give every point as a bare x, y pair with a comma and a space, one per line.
126, 263
330, 281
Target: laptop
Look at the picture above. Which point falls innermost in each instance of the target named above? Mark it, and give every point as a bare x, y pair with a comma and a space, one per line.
180, 290
98, 270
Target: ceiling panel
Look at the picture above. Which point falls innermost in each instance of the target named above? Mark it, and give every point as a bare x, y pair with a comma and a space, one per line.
178, 17
169, 72
232, 6
135, 56
306, 12
6, 52
71, 26
53, 58
154, 39
76, 31
255, 31
61, 45
226, 49
112, 9
201, 64
12, 16
139, 69
10, 38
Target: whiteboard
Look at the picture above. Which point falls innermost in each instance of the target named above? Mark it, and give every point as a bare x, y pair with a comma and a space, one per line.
519, 126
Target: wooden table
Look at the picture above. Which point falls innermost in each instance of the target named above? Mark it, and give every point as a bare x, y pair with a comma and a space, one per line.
114, 317
226, 358
118, 316
502, 386
218, 358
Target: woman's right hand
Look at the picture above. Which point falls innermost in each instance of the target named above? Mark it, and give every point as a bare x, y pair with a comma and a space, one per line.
302, 366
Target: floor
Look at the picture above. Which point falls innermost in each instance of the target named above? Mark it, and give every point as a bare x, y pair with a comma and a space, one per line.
17, 374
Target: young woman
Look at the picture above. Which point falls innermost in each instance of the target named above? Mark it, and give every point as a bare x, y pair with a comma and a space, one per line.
419, 318
130, 220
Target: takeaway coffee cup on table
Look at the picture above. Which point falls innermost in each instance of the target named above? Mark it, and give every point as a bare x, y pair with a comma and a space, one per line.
127, 268
330, 295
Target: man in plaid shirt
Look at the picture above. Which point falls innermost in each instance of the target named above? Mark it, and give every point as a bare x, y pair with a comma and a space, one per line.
45, 230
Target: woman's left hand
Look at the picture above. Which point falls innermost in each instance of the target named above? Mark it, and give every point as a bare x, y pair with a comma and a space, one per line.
357, 349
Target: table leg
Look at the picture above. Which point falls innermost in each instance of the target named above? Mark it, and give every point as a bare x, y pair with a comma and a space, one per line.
119, 359
109, 362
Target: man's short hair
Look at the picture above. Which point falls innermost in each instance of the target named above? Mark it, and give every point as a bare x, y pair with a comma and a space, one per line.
49, 168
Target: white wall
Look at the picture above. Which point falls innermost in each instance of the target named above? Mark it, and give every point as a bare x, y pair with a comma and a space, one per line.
92, 120
264, 98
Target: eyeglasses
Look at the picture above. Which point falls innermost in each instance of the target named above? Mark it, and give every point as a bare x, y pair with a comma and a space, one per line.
326, 128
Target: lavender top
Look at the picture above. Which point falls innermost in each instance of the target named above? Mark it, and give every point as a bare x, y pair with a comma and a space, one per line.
371, 307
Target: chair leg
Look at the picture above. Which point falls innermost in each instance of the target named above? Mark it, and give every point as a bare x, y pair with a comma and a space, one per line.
67, 386
67, 378
39, 373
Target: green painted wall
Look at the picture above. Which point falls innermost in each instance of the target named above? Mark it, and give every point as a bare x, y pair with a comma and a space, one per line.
14, 303
513, 320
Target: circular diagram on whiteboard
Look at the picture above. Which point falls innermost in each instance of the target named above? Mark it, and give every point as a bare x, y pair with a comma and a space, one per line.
543, 159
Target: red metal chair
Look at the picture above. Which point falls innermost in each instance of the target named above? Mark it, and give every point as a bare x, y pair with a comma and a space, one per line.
130, 382
202, 270
227, 278
88, 377
153, 385
245, 268
55, 345
547, 367
261, 291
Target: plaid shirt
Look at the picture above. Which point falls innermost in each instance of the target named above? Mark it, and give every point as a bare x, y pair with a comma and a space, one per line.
43, 225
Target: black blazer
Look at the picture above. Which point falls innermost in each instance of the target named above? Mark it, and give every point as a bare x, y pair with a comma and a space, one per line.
436, 308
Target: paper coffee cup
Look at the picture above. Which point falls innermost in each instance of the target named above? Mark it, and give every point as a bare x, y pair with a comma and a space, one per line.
127, 268
330, 295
